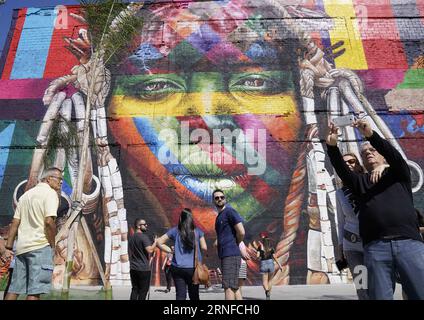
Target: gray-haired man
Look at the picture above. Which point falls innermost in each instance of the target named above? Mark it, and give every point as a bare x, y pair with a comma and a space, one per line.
34, 224
388, 223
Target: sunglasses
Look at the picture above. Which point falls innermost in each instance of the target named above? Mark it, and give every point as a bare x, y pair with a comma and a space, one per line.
351, 161
219, 197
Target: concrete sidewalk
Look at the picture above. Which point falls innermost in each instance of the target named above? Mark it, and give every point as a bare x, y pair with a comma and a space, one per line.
294, 292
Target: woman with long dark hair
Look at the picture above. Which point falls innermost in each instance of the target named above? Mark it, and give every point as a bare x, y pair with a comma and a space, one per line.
186, 238
265, 251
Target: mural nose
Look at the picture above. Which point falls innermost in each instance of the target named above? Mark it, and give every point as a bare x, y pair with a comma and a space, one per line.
209, 103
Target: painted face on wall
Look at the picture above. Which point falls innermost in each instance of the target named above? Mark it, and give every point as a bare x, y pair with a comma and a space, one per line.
200, 107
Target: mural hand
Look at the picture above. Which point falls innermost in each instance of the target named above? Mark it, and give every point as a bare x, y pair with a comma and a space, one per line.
332, 135
80, 47
89, 69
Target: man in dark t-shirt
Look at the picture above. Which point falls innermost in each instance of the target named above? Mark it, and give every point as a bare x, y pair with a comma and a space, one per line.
230, 234
388, 223
140, 247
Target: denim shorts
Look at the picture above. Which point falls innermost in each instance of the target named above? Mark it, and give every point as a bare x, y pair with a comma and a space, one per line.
33, 272
267, 266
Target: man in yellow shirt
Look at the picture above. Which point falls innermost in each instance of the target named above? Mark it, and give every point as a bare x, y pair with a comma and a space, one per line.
34, 224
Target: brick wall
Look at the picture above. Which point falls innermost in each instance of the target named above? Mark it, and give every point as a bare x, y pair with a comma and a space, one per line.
216, 65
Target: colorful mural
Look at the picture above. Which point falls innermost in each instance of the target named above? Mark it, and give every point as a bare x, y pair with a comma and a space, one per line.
231, 94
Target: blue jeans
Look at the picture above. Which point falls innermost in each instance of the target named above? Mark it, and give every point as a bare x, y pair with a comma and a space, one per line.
383, 258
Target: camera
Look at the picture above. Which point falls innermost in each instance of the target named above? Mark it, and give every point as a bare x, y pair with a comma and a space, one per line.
344, 121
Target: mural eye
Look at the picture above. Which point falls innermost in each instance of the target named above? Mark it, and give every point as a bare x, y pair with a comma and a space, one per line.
158, 89
255, 84
151, 88
157, 86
